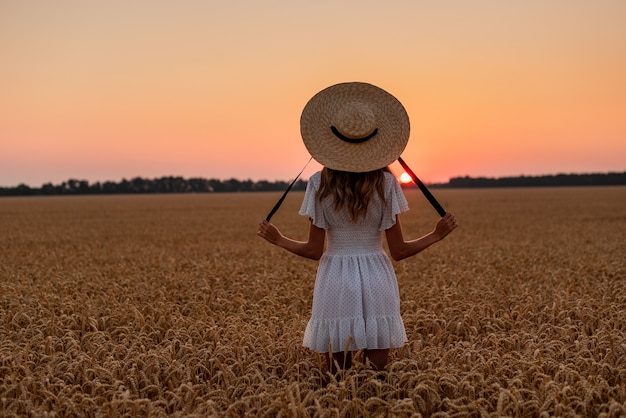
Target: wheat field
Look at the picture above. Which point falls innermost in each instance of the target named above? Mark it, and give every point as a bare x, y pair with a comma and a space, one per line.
170, 305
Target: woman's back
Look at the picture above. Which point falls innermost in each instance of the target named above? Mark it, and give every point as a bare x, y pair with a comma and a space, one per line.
363, 235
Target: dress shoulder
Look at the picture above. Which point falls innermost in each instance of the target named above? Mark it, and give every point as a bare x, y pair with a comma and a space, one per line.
311, 207
395, 202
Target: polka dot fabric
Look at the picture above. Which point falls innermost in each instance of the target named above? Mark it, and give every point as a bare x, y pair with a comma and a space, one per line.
356, 303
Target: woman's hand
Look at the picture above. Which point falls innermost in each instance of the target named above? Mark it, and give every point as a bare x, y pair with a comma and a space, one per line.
401, 249
312, 248
445, 225
269, 232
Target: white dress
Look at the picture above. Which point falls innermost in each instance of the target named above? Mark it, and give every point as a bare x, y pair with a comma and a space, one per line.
356, 299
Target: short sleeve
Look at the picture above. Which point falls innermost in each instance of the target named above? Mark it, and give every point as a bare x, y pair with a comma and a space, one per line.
395, 202
311, 207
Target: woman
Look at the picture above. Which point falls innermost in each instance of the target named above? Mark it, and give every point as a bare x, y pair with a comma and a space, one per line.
355, 130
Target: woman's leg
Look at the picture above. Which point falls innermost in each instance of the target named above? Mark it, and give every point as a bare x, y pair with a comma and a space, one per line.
378, 358
344, 360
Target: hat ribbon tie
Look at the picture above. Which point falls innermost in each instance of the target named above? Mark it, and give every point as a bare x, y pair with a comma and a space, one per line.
440, 210
280, 201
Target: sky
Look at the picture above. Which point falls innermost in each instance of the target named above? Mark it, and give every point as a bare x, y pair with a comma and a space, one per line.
107, 90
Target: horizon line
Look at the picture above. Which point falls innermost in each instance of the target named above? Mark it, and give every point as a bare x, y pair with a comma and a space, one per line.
303, 179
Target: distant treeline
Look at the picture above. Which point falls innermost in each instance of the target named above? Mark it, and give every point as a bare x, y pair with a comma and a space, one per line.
199, 185
596, 179
160, 185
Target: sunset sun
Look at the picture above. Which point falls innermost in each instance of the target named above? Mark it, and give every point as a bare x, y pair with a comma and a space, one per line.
405, 178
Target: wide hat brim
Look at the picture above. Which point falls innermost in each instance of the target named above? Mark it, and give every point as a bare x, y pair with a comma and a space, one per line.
385, 119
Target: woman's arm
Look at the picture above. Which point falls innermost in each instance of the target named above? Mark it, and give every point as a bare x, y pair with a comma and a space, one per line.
313, 248
401, 249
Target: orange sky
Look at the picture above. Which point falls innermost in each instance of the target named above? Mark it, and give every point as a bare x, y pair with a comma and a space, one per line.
118, 89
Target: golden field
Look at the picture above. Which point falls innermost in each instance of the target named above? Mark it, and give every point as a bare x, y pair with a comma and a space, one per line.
155, 305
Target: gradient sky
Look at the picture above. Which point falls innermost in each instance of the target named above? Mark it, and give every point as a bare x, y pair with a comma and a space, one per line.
105, 90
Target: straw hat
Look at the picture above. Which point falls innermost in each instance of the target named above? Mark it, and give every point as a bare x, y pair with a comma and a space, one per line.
354, 127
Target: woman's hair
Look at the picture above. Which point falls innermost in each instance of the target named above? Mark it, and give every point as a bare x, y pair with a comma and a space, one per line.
353, 191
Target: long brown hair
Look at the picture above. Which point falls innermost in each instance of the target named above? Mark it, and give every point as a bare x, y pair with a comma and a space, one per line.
352, 190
